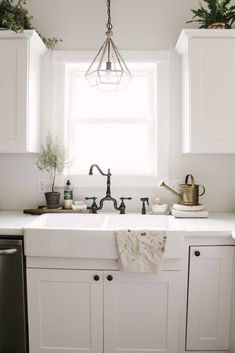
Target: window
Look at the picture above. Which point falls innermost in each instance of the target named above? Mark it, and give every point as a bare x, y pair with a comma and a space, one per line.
126, 131
116, 130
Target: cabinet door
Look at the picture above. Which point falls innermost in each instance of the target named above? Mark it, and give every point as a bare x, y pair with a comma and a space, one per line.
212, 101
13, 95
141, 312
65, 309
208, 75
209, 297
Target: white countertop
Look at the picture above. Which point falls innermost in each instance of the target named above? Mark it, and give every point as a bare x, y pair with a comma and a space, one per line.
215, 222
13, 222
219, 225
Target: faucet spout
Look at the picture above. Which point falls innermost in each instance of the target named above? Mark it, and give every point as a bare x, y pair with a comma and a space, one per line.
108, 175
99, 169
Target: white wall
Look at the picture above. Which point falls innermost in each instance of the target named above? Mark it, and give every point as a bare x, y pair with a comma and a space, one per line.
138, 25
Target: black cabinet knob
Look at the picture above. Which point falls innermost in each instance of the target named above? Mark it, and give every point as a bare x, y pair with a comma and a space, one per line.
197, 253
109, 277
96, 278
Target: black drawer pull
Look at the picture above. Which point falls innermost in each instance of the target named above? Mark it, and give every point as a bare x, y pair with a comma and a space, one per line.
109, 277
197, 253
96, 278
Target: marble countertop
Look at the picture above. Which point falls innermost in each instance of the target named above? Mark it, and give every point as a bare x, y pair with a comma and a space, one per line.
13, 222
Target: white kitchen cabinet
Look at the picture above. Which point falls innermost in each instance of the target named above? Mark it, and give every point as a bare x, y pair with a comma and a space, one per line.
209, 298
74, 311
208, 76
141, 312
65, 309
20, 72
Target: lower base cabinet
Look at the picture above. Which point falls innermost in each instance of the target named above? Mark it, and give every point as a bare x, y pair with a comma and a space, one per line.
209, 298
97, 311
141, 313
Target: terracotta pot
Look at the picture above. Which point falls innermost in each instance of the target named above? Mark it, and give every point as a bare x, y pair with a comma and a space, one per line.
52, 199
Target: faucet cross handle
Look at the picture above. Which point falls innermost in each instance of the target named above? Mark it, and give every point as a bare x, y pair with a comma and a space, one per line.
122, 206
144, 199
93, 206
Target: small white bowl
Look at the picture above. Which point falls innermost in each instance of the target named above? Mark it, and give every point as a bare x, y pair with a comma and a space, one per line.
160, 209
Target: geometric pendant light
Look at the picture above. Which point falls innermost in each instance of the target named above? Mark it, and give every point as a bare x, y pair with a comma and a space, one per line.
108, 70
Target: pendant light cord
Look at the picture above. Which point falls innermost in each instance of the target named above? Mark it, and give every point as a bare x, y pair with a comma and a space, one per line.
109, 24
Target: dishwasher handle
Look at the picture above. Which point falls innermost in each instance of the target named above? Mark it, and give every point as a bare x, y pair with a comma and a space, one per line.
8, 251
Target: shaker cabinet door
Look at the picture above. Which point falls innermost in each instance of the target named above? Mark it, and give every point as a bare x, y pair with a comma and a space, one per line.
209, 297
20, 72
212, 99
141, 312
13, 94
65, 311
208, 105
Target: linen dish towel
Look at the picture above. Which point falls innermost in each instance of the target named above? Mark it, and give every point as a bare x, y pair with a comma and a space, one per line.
140, 250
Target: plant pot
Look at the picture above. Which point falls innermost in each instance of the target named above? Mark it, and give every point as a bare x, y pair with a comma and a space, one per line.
52, 199
218, 25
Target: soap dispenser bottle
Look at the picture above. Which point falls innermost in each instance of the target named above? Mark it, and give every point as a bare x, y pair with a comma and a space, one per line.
68, 195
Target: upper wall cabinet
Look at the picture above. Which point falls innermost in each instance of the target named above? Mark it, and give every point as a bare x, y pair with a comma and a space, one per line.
20, 71
208, 76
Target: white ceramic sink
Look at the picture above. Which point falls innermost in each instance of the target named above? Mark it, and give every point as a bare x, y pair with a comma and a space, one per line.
91, 236
138, 221
68, 221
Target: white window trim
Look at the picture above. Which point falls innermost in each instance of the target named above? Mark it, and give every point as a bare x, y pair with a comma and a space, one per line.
58, 125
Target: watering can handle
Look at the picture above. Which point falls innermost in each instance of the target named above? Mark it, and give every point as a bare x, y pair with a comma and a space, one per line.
192, 179
203, 190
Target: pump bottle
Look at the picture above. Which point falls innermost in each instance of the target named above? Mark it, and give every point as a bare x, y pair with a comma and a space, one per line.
68, 195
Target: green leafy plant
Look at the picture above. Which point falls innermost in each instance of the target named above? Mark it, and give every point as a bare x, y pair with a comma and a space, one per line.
14, 16
51, 42
216, 12
53, 158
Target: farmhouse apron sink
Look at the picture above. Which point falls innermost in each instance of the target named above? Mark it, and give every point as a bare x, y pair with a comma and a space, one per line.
88, 236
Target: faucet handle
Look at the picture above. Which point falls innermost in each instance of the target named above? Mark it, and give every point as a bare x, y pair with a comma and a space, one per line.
122, 206
125, 198
93, 206
144, 199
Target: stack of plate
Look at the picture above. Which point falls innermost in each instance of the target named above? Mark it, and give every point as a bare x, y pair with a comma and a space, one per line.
184, 211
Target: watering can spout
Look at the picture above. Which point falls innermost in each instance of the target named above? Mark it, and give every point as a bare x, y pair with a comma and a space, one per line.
161, 183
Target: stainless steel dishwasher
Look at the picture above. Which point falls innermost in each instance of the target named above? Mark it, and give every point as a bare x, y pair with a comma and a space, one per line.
13, 323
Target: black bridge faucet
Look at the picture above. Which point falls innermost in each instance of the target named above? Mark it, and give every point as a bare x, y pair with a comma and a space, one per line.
94, 207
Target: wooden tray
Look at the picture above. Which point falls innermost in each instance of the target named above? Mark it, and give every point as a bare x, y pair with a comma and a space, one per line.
42, 209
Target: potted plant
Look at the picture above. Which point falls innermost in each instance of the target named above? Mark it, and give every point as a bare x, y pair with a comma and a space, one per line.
14, 16
53, 158
216, 14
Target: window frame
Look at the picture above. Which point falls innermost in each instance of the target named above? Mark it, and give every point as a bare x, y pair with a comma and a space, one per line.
58, 124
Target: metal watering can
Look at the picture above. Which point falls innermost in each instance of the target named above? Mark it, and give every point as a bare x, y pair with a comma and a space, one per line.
189, 193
